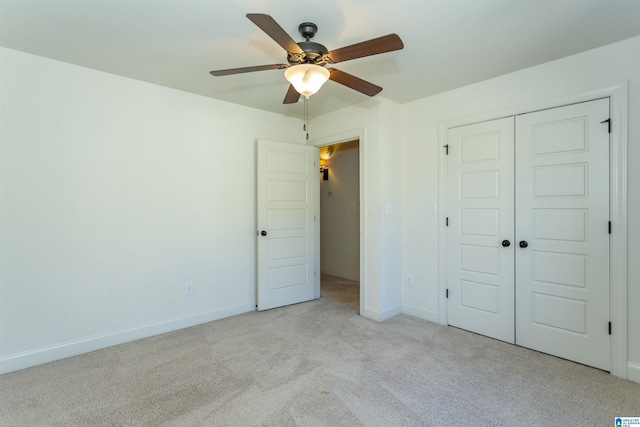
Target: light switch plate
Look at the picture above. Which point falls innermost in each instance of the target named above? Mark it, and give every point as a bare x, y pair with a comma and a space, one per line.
389, 208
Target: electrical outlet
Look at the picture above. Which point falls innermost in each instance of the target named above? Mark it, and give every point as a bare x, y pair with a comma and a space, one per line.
188, 288
409, 280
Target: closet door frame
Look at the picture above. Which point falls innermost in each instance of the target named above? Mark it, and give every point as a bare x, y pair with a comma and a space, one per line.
618, 206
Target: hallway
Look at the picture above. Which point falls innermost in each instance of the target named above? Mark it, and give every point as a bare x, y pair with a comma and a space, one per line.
344, 291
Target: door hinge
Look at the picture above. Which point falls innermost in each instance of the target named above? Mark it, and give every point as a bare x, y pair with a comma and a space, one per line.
446, 293
446, 221
609, 328
446, 149
608, 122
609, 227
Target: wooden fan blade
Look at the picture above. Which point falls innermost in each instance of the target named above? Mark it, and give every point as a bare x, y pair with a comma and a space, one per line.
218, 73
376, 46
354, 82
292, 96
267, 24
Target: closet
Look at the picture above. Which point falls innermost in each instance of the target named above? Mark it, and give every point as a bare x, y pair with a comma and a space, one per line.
527, 236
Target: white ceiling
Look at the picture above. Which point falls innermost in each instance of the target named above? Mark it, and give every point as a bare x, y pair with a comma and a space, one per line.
448, 43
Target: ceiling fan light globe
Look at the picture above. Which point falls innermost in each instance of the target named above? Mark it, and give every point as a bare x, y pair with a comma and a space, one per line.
307, 79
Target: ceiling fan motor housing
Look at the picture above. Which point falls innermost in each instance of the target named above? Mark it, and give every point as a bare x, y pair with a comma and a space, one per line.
314, 53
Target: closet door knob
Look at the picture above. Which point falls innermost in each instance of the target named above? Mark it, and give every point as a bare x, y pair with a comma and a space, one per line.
523, 244
263, 233
506, 243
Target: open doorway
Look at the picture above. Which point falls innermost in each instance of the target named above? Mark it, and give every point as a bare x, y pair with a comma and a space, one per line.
340, 223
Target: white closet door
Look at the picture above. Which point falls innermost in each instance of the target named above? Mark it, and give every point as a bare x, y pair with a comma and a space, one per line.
480, 215
562, 213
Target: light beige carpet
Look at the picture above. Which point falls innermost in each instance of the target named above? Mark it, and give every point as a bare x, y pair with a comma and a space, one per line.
315, 364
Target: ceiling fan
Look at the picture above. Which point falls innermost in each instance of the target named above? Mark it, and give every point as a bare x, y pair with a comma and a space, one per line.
307, 61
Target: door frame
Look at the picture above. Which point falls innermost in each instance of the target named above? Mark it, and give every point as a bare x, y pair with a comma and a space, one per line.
617, 205
339, 138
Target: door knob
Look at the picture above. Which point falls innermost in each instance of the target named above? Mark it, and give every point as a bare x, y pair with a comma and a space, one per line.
263, 233
523, 244
506, 243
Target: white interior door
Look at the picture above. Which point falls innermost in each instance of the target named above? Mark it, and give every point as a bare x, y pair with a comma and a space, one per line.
480, 217
562, 213
286, 190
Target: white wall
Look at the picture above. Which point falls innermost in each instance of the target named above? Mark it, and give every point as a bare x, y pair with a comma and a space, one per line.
421, 150
339, 223
115, 193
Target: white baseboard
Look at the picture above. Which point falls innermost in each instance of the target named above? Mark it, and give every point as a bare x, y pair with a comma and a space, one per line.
371, 313
381, 316
633, 372
421, 313
39, 356
350, 275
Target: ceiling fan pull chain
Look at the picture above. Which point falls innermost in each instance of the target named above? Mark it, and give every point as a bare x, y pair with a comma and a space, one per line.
305, 127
